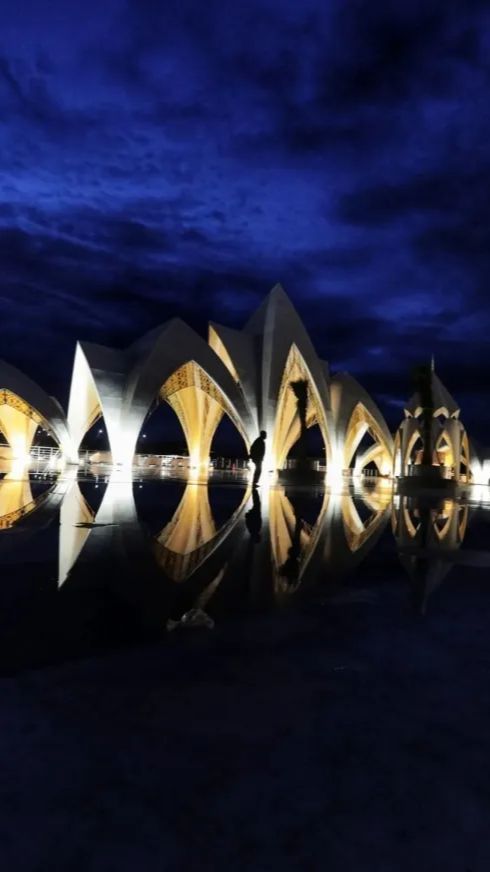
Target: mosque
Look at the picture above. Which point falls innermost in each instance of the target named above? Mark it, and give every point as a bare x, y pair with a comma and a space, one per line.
248, 376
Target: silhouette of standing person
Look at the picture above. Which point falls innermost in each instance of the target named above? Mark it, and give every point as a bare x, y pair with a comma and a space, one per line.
257, 451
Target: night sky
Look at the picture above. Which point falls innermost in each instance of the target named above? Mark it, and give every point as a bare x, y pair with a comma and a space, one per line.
180, 158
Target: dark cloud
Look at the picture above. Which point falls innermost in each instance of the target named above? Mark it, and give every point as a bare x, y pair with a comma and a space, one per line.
162, 161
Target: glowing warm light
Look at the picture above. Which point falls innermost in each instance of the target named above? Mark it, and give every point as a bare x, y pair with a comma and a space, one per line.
481, 473
334, 477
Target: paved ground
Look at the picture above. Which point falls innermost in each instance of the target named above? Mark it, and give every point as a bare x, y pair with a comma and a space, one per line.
351, 736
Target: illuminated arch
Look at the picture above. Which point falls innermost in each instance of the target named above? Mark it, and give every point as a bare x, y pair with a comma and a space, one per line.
97, 389
261, 359
397, 455
171, 363
354, 414
410, 443
287, 426
23, 407
361, 422
199, 404
446, 452
465, 458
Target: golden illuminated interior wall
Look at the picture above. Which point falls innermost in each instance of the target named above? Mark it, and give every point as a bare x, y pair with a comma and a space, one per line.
410, 443
220, 349
287, 427
178, 547
444, 452
18, 423
199, 406
361, 421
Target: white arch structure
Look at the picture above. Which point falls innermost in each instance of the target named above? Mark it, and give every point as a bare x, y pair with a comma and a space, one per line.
355, 414
248, 375
449, 448
173, 364
24, 406
264, 359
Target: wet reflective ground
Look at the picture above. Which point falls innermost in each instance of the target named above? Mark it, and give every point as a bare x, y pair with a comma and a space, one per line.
336, 716
92, 561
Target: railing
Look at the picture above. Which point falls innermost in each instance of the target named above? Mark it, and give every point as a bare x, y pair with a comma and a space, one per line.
165, 460
40, 452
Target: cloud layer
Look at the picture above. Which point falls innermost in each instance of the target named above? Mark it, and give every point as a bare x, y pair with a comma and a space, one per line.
155, 160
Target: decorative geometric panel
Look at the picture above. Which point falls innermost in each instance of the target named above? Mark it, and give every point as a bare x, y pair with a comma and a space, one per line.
7, 398
192, 375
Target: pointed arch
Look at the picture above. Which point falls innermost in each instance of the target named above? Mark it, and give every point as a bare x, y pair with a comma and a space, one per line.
410, 444
362, 421
287, 426
199, 404
175, 364
97, 389
23, 407
354, 414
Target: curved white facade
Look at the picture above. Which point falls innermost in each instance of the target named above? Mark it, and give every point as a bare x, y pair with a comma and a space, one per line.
249, 375
24, 406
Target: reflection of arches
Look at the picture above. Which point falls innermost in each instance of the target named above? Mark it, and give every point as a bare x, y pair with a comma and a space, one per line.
16, 498
287, 427
356, 531
427, 538
293, 539
75, 519
348, 538
191, 535
23, 407
462, 522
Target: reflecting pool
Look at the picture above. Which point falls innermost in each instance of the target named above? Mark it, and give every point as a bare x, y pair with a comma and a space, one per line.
94, 561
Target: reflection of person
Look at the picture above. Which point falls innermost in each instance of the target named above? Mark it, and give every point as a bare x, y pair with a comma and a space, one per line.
290, 569
257, 451
253, 518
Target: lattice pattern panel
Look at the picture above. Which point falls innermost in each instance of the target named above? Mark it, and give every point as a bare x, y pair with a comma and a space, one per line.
7, 398
192, 375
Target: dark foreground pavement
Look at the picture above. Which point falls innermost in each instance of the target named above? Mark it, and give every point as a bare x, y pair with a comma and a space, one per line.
348, 736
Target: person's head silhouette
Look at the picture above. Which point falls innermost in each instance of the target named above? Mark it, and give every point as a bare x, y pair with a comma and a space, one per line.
263, 434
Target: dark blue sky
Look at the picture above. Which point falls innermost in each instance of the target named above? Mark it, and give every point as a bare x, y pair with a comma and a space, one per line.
162, 158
